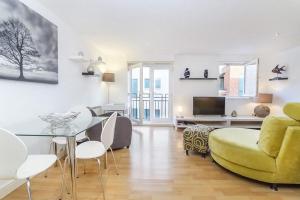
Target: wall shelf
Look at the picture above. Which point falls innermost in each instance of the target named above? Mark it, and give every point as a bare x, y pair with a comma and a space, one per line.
79, 59
278, 79
90, 74
219, 121
198, 78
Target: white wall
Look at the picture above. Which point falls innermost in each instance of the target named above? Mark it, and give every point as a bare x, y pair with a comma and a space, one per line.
118, 90
283, 91
23, 100
184, 90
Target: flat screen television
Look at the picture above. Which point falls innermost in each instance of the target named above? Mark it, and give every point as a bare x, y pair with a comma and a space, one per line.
208, 105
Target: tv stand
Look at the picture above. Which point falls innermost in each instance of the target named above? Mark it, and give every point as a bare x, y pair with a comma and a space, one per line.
219, 121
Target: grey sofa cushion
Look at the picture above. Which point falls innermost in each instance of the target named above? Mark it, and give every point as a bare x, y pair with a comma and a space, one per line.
123, 133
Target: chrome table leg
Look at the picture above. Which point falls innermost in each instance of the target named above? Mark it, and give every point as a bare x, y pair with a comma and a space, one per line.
71, 145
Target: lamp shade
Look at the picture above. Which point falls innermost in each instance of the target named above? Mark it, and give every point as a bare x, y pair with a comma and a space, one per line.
108, 77
264, 98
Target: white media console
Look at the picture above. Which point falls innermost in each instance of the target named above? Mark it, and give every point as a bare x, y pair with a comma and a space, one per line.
219, 121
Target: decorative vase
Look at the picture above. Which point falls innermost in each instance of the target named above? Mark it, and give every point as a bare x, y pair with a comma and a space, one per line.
206, 73
187, 73
90, 68
234, 114
58, 120
261, 111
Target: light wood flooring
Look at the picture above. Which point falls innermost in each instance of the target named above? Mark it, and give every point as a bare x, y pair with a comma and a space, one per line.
156, 168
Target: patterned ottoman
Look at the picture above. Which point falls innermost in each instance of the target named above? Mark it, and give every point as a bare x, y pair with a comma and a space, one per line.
195, 138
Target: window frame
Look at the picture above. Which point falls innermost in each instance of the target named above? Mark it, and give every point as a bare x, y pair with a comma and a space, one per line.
251, 62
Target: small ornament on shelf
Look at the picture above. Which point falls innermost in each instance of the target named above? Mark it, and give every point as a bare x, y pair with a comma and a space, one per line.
187, 73
234, 114
280, 73
206, 73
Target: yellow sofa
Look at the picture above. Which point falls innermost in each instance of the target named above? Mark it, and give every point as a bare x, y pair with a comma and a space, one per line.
270, 155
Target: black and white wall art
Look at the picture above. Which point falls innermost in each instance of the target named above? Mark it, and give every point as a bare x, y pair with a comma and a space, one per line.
28, 44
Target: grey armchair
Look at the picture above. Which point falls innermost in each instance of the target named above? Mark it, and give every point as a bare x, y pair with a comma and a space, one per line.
123, 133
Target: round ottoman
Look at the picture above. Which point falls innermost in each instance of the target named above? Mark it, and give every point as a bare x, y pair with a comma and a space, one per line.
195, 138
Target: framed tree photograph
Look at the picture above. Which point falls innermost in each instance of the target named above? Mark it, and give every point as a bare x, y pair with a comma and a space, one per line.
28, 44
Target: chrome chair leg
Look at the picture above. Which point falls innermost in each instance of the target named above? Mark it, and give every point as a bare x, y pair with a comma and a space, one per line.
84, 169
76, 171
65, 164
55, 152
28, 188
105, 161
63, 180
64, 171
113, 155
50, 149
100, 177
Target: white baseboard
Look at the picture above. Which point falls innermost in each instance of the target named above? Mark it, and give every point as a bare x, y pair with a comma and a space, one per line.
7, 186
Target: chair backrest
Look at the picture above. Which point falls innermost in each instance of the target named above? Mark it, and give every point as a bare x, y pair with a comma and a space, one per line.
13, 153
84, 118
108, 132
94, 114
85, 113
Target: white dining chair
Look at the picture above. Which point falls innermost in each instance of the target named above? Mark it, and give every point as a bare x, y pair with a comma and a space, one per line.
18, 165
94, 149
85, 116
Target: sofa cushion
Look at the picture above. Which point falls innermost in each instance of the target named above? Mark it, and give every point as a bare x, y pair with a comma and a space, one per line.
292, 110
239, 146
272, 134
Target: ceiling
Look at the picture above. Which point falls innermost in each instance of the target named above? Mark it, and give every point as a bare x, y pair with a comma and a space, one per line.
159, 29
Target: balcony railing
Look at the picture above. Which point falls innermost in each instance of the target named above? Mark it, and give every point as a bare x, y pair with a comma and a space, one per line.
160, 106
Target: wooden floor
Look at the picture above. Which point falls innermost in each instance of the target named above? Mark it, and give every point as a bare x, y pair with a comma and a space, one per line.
156, 168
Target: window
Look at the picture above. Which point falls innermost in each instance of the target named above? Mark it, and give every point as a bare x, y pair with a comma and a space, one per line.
147, 114
134, 86
157, 113
146, 83
157, 84
238, 80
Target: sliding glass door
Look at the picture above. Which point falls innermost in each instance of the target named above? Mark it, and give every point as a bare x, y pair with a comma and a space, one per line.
149, 95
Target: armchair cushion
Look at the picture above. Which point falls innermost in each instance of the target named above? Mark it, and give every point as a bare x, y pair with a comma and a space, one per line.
292, 110
239, 147
272, 133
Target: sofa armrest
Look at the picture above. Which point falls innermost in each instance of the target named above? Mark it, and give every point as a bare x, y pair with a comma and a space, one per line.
123, 133
288, 159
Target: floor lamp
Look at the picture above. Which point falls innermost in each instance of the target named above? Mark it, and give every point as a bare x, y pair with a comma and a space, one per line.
109, 78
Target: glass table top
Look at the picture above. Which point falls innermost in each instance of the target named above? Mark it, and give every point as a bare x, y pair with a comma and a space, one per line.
37, 127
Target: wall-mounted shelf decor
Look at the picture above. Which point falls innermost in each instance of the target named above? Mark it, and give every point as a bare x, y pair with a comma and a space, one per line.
90, 74
79, 59
92, 65
280, 73
278, 79
198, 78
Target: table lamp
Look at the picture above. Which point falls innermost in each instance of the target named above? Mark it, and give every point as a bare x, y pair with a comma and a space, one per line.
109, 78
263, 110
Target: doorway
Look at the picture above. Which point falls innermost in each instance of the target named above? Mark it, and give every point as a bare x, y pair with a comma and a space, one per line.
149, 92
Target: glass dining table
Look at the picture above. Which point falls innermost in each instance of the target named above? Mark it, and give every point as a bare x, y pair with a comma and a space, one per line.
37, 127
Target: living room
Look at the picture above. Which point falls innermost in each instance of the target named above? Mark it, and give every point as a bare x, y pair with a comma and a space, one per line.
161, 72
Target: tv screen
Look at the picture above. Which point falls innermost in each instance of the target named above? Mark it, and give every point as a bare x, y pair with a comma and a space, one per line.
208, 105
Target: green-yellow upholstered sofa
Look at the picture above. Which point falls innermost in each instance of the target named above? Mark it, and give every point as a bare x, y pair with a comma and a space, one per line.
270, 155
